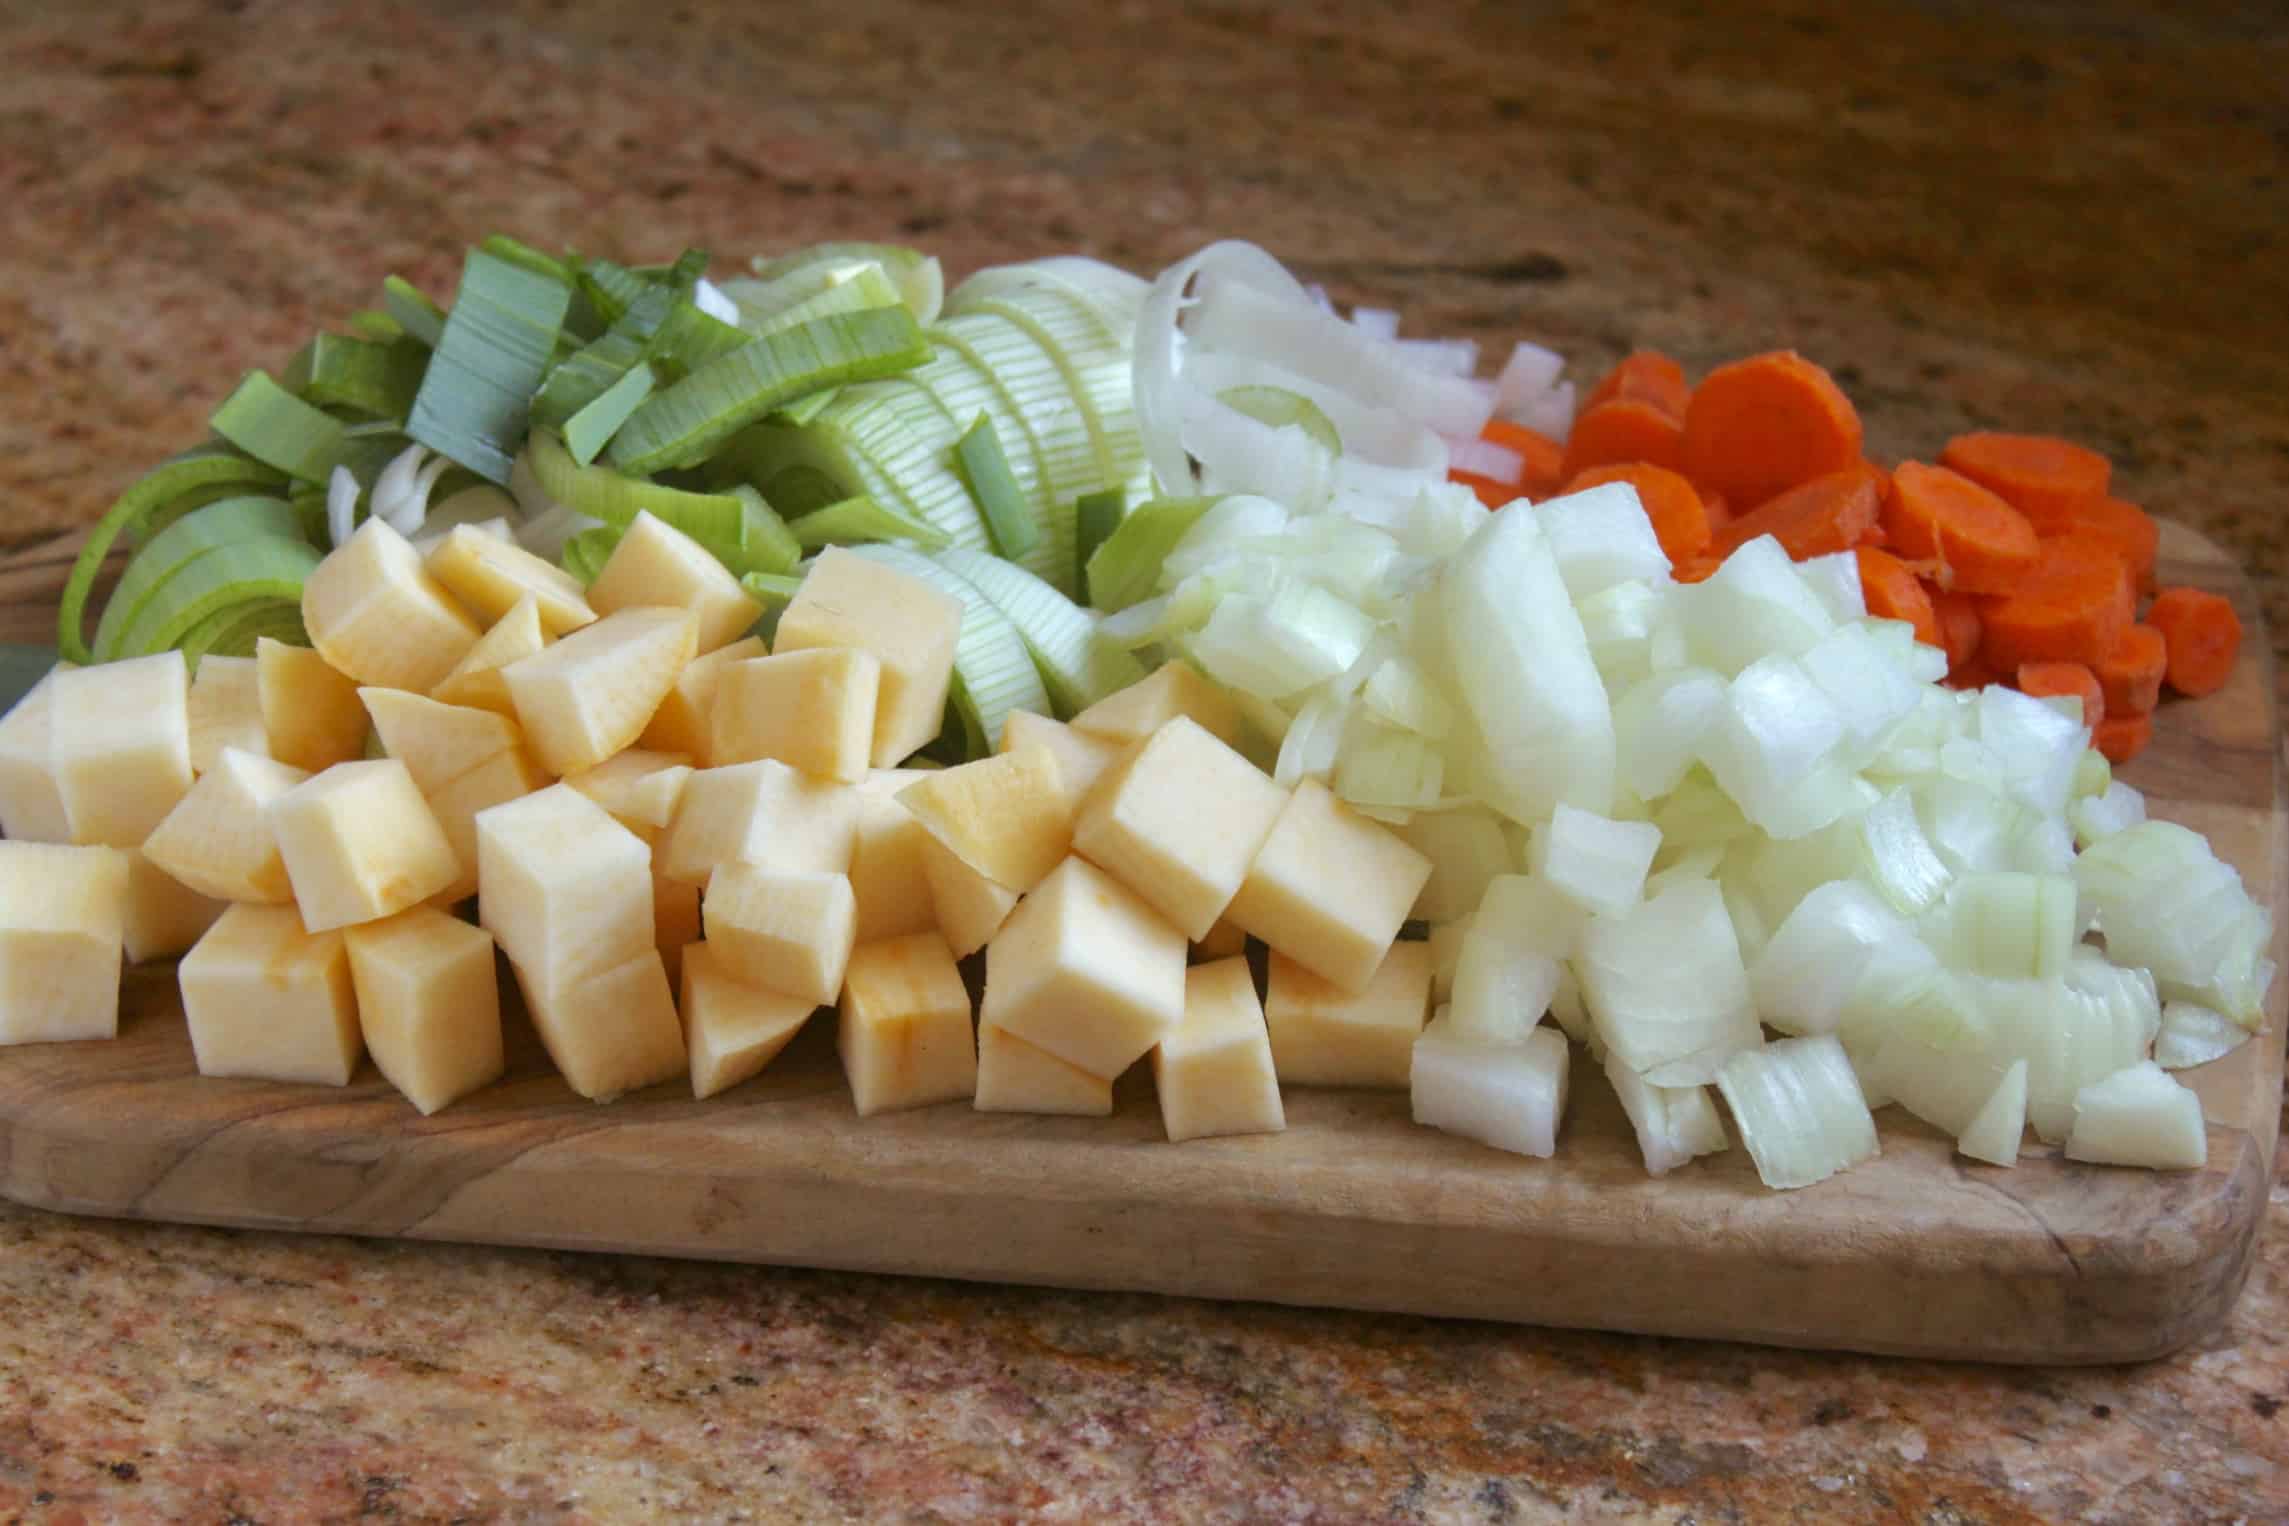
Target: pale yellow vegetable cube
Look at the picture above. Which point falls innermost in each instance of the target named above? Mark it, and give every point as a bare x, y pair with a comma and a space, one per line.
501, 778
1178, 821
969, 908
1330, 888
310, 712
119, 746
685, 721
1171, 690
429, 1004
360, 843
904, 1026
1223, 941
31, 807
565, 888
812, 710
1008, 816
656, 563
1086, 970
732, 1029
62, 920
785, 930
610, 1032
642, 789
593, 692
762, 813
436, 742
676, 923
374, 614
888, 880
911, 627
226, 710
490, 576
476, 678
267, 998
1214, 1073
1323, 1035
163, 915
219, 840
1015, 1077
1082, 758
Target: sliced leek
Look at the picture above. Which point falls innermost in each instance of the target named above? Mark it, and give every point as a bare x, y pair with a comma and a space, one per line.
766, 544
1126, 568
221, 599
1079, 664
215, 527
858, 519
413, 310
585, 554
587, 432
278, 429
993, 670
359, 375
1095, 517
994, 489
477, 396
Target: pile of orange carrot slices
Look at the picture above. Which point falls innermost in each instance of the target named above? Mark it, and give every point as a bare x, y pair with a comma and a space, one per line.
2010, 553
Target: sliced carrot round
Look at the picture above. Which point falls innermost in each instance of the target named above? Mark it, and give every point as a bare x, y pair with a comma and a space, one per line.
1618, 432
2071, 607
2048, 479
1544, 457
1829, 513
1648, 376
1680, 522
2071, 679
2123, 737
1958, 624
1982, 544
2126, 527
2131, 672
2203, 637
1762, 425
1892, 592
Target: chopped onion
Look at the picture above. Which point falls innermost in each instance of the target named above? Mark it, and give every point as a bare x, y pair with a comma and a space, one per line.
1753, 607
2096, 817
2165, 902
1376, 322
2139, 1116
1530, 372
1674, 1124
2193, 1034
1799, 1110
1437, 357
1901, 864
1658, 725
1511, 1095
1995, 1131
1597, 863
2011, 925
1666, 986
1484, 458
400, 497
1773, 734
1806, 973
1835, 581
341, 505
1548, 413
1467, 849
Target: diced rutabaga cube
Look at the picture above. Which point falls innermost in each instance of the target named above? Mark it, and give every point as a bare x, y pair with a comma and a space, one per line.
676, 922
909, 626
1178, 821
641, 789
436, 742
1086, 970
267, 998
1015, 1077
1081, 758
593, 692
2139, 1116
62, 916
888, 878
31, 807
968, 908
1008, 816
762, 813
655, 563
310, 712
476, 678
904, 1026
119, 746
812, 710
1466, 849
1330, 888
1171, 690
163, 915
684, 723
498, 780
429, 1003
732, 1029
225, 710
1510, 1094
360, 844
1223, 941
374, 614
610, 1032
788, 930
1597, 862
490, 576
1323, 1035
1666, 985
1214, 1071
565, 888
218, 840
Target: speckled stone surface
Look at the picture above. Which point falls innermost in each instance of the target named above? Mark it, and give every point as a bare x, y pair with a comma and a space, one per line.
2034, 216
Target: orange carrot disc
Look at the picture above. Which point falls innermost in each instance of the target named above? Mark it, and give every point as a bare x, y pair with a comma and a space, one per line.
1958, 624
1621, 431
2123, 737
1829, 513
1648, 376
1760, 426
2071, 607
2048, 479
2203, 637
1892, 592
2071, 679
2130, 674
1982, 544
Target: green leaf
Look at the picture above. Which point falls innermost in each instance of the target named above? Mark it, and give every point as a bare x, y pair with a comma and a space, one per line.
993, 486
271, 424
475, 402
1124, 569
858, 519
361, 375
587, 432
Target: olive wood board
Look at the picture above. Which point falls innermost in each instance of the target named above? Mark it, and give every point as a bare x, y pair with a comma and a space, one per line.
1919, 1252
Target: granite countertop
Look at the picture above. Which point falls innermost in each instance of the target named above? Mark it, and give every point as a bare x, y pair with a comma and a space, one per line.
2022, 216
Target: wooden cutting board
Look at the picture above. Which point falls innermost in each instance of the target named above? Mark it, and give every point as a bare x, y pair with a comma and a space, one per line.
1919, 1252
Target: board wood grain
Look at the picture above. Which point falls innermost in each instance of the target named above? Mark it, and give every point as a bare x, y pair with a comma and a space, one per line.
1918, 1252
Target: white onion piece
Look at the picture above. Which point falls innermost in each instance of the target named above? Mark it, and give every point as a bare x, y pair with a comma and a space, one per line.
1619, 623
1370, 435
2128, 993
1484, 458
1752, 607
1158, 358
1240, 454
400, 497
1994, 1132
1319, 297
1799, 1110
1229, 524
1597, 863
341, 505
1508, 1095
709, 299
1501, 988
2165, 902
1666, 985
1467, 849
1601, 536
1674, 1124
544, 534
1774, 732
2038, 747
1387, 772
2192, 1034
1835, 581
1817, 957
1900, 862
1530, 372
2096, 817
1314, 738
1531, 914
1438, 357
1548, 413
2011, 925
2139, 1116
1658, 725
1376, 322
1869, 690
